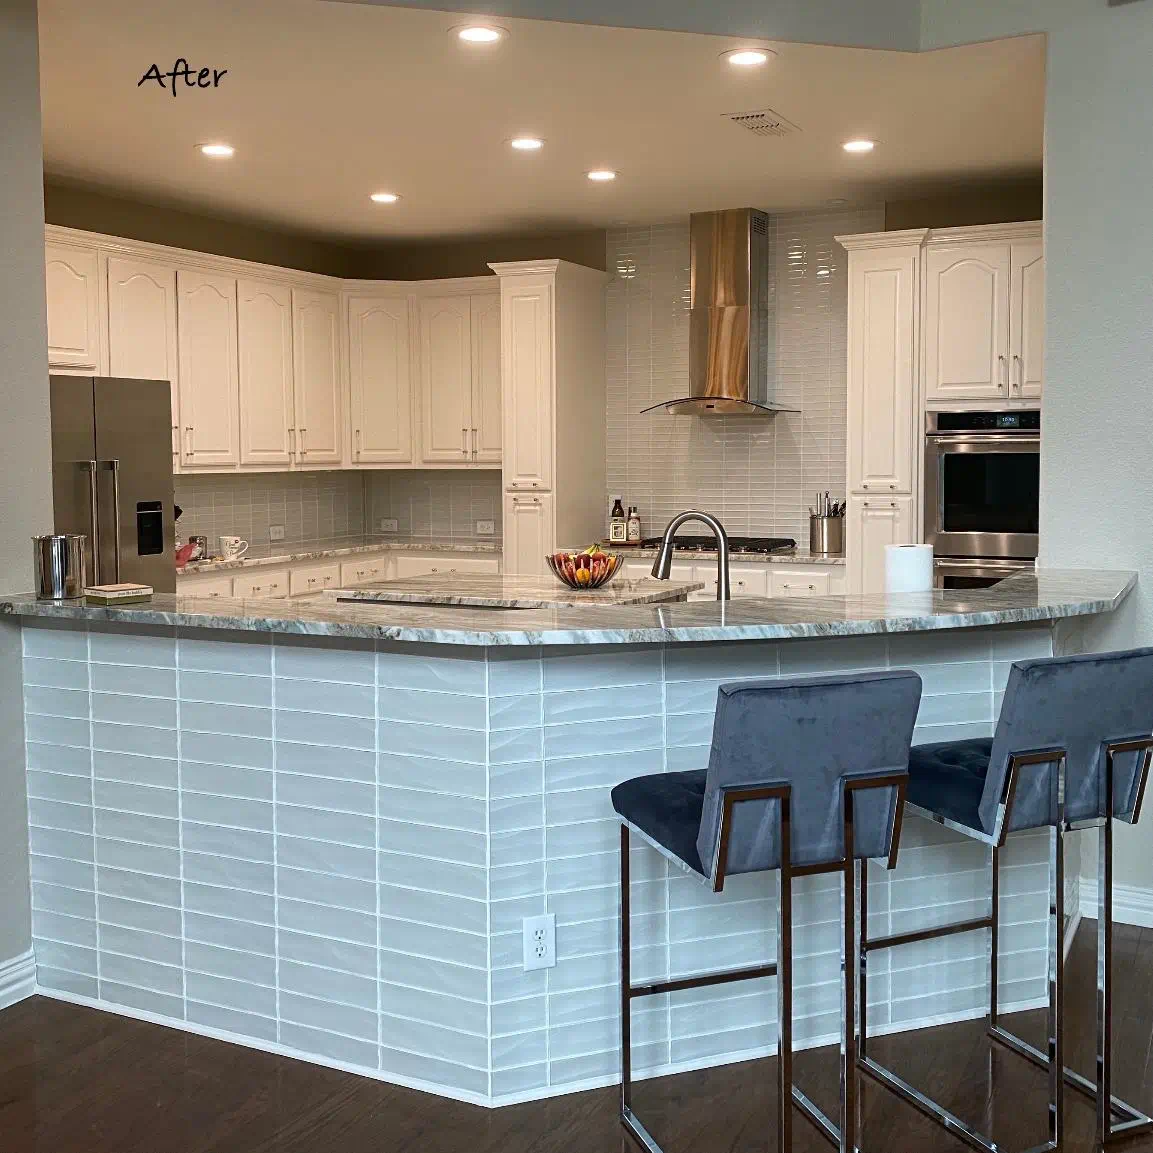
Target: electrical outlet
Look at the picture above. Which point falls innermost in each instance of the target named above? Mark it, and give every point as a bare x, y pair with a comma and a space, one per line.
388, 524
540, 942
275, 532
485, 527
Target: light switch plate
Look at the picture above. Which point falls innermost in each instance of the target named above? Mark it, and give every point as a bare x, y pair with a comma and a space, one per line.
388, 524
275, 532
486, 528
540, 942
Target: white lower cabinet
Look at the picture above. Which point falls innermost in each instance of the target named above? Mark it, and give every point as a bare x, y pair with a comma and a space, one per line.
262, 584
363, 570
209, 587
529, 532
750, 580
800, 583
875, 522
410, 566
313, 578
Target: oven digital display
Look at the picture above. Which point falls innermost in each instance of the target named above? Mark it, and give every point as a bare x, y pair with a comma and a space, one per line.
990, 492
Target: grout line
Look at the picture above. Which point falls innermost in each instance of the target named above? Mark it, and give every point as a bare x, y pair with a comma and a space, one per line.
180, 833
275, 837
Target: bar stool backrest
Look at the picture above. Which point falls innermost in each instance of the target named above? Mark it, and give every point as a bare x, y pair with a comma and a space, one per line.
1078, 704
808, 733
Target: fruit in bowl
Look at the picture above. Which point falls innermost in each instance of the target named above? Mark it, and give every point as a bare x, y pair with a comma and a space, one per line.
584, 570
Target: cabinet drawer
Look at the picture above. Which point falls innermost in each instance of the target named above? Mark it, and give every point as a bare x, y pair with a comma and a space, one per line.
410, 566
261, 585
799, 583
313, 579
209, 587
745, 581
363, 571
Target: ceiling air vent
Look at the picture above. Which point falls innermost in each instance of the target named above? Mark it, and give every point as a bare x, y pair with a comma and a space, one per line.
764, 122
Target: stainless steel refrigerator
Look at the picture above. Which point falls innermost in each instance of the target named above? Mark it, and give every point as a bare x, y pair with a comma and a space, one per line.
112, 476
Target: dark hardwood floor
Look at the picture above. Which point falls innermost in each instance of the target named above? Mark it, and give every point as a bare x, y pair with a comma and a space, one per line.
74, 1080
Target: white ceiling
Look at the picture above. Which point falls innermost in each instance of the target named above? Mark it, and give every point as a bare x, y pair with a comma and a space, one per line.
326, 103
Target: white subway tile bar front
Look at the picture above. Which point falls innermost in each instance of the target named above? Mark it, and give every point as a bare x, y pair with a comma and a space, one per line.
327, 848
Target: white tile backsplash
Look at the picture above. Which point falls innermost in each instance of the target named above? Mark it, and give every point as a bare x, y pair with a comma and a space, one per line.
438, 504
758, 474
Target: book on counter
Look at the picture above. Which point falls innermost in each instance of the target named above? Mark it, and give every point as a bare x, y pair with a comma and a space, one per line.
121, 594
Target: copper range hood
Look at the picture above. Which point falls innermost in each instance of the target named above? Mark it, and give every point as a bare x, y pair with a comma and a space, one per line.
730, 329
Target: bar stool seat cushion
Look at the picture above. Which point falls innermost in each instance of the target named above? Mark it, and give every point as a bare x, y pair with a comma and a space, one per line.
948, 779
666, 807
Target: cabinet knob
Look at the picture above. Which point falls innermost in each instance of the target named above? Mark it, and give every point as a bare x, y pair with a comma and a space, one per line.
892, 486
864, 486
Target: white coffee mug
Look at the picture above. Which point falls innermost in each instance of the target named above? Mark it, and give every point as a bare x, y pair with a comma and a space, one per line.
232, 547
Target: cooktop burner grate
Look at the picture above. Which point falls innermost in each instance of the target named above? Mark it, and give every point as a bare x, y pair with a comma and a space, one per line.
737, 544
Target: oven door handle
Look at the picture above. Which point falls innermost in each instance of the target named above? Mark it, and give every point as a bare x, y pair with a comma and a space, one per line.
991, 438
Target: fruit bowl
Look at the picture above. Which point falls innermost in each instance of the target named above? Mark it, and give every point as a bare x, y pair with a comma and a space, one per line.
584, 570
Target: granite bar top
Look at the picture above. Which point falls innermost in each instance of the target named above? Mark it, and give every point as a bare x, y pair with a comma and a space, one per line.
1047, 595
487, 590
300, 551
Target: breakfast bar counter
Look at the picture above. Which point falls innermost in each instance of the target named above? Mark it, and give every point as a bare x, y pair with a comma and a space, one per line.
318, 827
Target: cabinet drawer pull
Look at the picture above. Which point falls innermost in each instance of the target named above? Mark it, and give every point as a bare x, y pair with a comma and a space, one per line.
358, 444
303, 450
464, 442
1019, 365
188, 440
474, 439
1002, 371
865, 486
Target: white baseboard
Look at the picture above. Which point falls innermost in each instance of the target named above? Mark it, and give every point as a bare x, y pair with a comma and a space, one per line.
17, 979
1131, 905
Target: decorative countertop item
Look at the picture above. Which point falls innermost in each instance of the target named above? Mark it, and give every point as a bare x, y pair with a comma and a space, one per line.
584, 570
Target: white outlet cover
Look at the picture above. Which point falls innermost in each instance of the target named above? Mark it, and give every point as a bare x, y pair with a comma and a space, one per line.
388, 524
486, 528
275, 532
540, 942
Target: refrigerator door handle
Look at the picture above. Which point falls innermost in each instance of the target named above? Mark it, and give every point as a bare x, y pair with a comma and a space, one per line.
90, 467
114, 465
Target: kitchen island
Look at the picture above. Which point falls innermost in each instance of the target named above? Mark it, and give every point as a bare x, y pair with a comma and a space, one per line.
317, 827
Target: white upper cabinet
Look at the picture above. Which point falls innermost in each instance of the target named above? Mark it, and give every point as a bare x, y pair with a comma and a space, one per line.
267, 429
316, 359
882, 369
446, 379
487, 424
72, 281
209, 373
967, 321
380, 377
527, 370
1027, 319
142, 328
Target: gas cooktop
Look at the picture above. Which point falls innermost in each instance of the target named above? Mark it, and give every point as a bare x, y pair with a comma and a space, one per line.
742, 544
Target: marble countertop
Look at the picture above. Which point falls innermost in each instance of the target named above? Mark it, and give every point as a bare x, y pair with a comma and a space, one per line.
1051, 594
308, 550
487, 590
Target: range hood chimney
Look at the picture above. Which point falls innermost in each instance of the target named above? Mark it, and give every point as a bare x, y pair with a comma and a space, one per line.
730, 333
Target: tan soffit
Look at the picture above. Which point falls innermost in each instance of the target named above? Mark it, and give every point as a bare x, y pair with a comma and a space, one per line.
326, 103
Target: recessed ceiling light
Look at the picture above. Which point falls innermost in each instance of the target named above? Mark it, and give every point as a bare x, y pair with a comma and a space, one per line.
527, 143
384, 197
480, 34
218, 150
747, 57
858, 145
602, 174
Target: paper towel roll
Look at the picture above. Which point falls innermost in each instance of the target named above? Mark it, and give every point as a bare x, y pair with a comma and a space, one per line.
908, 568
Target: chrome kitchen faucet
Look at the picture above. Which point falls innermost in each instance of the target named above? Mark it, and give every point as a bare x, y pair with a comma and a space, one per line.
662, 566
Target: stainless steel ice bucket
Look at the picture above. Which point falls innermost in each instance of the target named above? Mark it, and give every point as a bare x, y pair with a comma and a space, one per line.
59, 566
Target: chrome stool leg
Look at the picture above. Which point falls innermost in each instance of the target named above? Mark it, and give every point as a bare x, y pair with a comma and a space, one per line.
1132, 1122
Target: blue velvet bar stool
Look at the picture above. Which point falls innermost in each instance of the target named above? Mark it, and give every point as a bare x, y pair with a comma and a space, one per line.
1071, 751
804, 776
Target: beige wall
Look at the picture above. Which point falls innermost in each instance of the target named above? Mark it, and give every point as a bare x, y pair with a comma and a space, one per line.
25, 492
994, 202
470, 256
79, 206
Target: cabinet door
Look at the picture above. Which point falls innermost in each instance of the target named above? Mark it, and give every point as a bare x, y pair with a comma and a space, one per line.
142, 328
882, 376
967, 321
72, 281
263, 584
745, 580
1027, 319
264, 315
381, 379
486, 386
209, 389
446, 379
363, 570
529, 533
527, 394
316, 372
798, 582
872, 524
211, 588
313, 579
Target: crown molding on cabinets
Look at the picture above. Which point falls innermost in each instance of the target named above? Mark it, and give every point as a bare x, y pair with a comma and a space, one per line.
905, 237
987, 233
